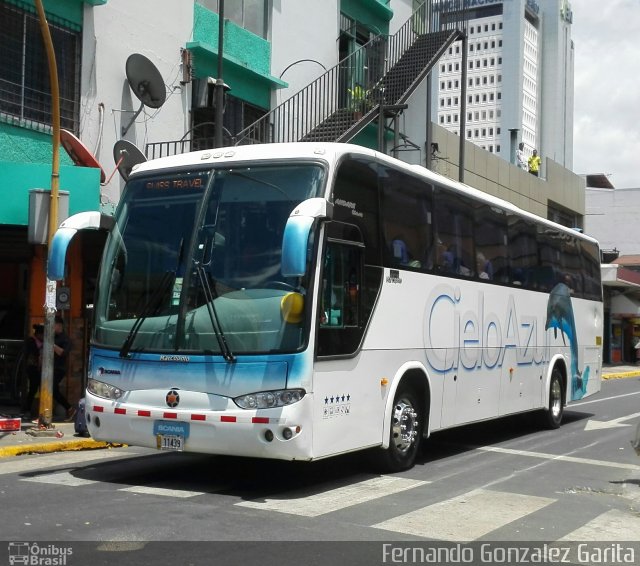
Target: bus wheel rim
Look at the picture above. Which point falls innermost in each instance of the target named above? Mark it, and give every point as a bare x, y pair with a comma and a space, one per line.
556, 398
404, 426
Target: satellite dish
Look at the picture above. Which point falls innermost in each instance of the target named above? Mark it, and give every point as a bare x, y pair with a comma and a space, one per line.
127, 156
79, 153
146, 82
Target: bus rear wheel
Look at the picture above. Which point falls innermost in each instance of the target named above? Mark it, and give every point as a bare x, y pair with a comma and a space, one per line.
551, 417
407, 423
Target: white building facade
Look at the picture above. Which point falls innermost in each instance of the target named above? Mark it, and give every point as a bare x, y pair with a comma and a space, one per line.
519, 85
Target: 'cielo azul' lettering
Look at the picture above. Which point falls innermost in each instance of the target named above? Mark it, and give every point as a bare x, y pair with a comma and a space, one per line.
461, 333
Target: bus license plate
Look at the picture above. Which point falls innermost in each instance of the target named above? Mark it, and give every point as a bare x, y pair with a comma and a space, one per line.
170, 435
170, 442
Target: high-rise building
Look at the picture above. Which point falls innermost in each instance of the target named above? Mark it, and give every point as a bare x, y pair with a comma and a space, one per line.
519, 79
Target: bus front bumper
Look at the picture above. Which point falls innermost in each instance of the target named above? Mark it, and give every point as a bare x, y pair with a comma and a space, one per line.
279, 433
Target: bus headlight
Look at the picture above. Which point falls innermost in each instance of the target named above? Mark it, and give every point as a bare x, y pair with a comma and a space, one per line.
104, 390
269, 399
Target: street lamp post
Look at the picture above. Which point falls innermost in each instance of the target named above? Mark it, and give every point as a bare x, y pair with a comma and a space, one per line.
46, 384
219, 87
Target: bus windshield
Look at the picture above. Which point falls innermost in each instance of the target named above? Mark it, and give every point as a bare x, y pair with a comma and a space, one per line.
193, 263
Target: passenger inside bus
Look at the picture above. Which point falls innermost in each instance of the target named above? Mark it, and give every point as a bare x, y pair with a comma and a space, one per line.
402, 256
484, 267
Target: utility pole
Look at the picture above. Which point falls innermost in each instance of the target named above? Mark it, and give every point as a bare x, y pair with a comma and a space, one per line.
46, 384
219, 92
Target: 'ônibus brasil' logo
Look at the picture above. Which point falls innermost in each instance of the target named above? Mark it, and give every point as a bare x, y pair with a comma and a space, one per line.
172, 398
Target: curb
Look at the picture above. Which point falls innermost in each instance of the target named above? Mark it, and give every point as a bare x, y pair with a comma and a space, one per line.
621, 375
47, 447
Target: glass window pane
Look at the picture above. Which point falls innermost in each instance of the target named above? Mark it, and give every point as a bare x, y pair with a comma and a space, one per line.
454, 224
233, 11
407, 221
254, 17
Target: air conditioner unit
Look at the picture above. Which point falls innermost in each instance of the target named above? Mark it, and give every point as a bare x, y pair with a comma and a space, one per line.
204, 92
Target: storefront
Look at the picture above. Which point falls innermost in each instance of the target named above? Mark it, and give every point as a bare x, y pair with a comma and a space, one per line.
622, 314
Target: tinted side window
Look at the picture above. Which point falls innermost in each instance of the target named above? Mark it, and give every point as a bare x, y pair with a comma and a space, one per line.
355, 198
523, 252
341, 317
572, 265
454, 225
550, 251
591, 270
491, 244
406, 216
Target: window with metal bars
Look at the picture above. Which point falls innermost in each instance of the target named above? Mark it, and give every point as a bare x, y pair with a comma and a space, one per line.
25, 92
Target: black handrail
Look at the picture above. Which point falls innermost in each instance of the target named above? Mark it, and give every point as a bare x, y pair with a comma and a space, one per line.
337, 101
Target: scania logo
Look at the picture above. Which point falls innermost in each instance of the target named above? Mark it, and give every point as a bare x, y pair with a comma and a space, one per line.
107, 371
172, 398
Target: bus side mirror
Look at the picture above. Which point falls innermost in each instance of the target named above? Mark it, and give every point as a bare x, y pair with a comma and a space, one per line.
63, 236
295, 239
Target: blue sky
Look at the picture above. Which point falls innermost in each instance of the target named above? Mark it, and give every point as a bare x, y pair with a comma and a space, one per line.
606, 34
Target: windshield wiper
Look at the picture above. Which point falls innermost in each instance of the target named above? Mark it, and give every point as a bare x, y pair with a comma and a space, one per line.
227, 354
150, 308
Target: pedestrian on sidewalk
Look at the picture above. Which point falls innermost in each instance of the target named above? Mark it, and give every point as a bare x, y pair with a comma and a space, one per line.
33, 351
33, 363
61, 349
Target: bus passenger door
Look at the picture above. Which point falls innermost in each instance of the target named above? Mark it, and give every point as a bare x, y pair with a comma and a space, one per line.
345, 394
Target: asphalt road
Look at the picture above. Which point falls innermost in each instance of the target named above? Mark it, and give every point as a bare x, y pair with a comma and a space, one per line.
500, 483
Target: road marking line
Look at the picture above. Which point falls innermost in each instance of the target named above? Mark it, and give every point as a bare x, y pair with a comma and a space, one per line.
163, 491
614, 525
39, 462
581, 403
324, 502
61, 478
545, 456
466, 517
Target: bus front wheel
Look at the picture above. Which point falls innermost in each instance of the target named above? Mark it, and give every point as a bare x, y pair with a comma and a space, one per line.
407, 422
551, 417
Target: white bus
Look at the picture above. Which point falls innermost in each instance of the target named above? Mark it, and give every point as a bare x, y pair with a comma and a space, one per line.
299, 301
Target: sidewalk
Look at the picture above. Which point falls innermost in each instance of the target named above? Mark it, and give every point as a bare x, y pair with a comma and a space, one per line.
20, 442
62, 438
619, 371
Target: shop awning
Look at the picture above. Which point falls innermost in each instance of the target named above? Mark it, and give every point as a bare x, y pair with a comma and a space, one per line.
625, 305
614, 275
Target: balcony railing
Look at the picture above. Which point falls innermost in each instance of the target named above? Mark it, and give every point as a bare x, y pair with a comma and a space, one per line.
341, 102
351, 89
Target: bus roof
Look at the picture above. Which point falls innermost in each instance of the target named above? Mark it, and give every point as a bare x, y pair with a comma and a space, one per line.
331, 153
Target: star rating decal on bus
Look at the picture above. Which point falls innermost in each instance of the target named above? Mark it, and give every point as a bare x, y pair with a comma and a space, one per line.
337, 398
336, 406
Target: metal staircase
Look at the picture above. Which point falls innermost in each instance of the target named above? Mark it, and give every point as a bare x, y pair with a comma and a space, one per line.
381, 74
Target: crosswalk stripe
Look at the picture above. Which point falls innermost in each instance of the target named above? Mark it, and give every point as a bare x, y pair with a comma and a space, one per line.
614, 525
466, 517
558, 457
61, 478
313, 505
33, 463
165, 492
